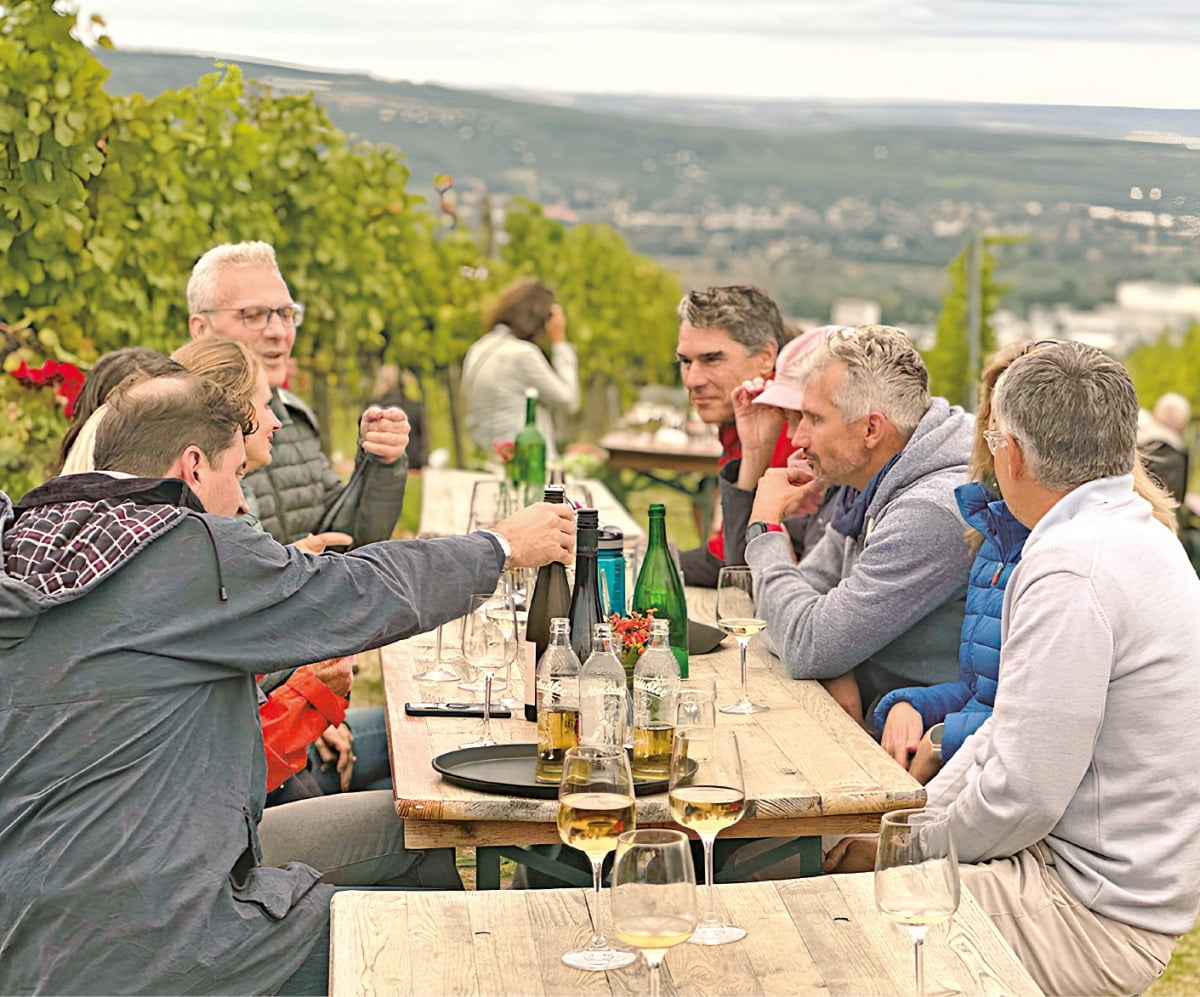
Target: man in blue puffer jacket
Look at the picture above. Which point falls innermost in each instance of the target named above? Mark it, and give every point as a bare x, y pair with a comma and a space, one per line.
907, 714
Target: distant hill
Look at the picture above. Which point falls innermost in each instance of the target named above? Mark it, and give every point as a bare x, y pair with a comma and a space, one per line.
813, 199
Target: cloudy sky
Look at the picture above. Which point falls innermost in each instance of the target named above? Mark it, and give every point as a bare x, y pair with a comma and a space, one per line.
1142, 53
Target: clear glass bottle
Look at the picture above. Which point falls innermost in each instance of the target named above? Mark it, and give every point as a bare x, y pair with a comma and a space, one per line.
529, 453
655, 700
551, 598
659, 587
558, 702
602, 693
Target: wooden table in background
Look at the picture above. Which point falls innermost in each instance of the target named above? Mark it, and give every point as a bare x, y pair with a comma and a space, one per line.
810, 770
689, 468
807, 936
446, 502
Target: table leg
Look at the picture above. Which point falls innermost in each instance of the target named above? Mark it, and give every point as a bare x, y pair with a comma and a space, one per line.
807, 850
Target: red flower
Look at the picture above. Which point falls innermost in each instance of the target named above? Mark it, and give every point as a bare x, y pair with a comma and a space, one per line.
633, 630
66, 378
504, 449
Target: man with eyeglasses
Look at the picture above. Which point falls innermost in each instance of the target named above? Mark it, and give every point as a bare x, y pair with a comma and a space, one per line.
237, 291
1073, 808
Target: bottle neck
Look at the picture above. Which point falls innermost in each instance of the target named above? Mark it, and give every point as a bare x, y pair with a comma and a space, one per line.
658, 531
530, 411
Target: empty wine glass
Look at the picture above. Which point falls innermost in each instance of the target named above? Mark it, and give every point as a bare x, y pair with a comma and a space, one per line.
707, 793
595, 805
697, 703
499, 608
654, 894
737, 615
491, 502
916, 875
485, 647
437, 671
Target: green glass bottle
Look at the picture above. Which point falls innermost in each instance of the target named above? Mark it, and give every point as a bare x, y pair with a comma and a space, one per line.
659, 587
529, 453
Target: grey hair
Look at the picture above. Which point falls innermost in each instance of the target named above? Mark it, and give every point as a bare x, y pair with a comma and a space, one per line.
884, 373
202, 284
1173, 411
746, 313
1073, 410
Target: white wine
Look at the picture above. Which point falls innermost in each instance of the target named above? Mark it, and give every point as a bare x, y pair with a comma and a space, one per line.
652, 751
558, 730
592, 821
741, 626
918, 914
707, 809
653, 931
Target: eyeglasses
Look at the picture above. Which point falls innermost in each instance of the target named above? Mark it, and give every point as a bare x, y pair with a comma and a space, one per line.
994, 439
258, 317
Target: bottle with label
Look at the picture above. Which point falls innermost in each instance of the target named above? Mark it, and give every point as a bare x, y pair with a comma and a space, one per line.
558, 703
659, 587
602, 693
529, 453
610, 559
585, 600
655, 699
551, 597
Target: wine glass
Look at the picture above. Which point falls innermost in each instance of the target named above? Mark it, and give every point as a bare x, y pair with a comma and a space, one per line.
707, 793
916, 875
437, 670
595, 805
654, 894
490, 503
485, 647
498, 607
697, 703
736, 615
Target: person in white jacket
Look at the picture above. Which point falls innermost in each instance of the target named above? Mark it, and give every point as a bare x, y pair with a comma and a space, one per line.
1074, 808
506, 360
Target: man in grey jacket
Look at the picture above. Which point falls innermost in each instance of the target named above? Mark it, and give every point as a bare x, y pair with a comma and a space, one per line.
134, 614
880, 596
237, 291
1074, 805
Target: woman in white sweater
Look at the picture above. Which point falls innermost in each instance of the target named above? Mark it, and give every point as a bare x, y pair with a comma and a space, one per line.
506, 360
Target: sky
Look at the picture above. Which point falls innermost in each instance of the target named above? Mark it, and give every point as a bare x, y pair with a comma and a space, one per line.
1107, 52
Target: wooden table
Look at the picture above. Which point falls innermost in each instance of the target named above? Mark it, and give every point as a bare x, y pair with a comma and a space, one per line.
446, 502
807, 936
689, 468
809, 769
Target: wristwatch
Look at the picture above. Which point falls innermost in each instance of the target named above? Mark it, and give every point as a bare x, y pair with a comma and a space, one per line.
757, 529
935, 740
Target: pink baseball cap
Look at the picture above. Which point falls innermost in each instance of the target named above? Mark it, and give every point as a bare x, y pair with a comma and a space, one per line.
784, 390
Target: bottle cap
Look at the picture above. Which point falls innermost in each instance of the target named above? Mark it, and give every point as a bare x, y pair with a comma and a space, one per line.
610, 538
587, 519
531, 392
556, 494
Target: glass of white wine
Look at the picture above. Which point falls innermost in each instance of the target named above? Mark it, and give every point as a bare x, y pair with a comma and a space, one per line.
707, 793
916, 875
654, 894
737, 616
595, 805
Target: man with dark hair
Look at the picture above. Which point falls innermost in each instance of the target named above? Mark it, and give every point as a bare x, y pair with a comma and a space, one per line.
134, 615
727, 335
1073, 807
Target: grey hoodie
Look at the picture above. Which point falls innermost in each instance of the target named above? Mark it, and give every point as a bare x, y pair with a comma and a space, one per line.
890, 600
131, 764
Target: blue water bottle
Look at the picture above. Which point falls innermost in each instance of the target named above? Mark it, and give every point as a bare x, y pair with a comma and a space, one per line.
610, 565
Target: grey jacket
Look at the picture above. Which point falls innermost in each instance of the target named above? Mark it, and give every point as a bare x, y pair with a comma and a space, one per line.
890, 600
291, 496
132, 775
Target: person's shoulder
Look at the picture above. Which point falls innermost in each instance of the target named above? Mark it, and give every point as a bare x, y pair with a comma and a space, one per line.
297, 406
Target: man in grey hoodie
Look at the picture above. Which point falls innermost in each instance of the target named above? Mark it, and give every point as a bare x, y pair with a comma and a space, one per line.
134, 614
880, 597
1075, 803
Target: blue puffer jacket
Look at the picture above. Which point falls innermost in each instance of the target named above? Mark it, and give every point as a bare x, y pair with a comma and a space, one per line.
964, 705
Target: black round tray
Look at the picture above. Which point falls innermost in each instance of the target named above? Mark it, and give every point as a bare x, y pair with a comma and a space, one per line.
508, 769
